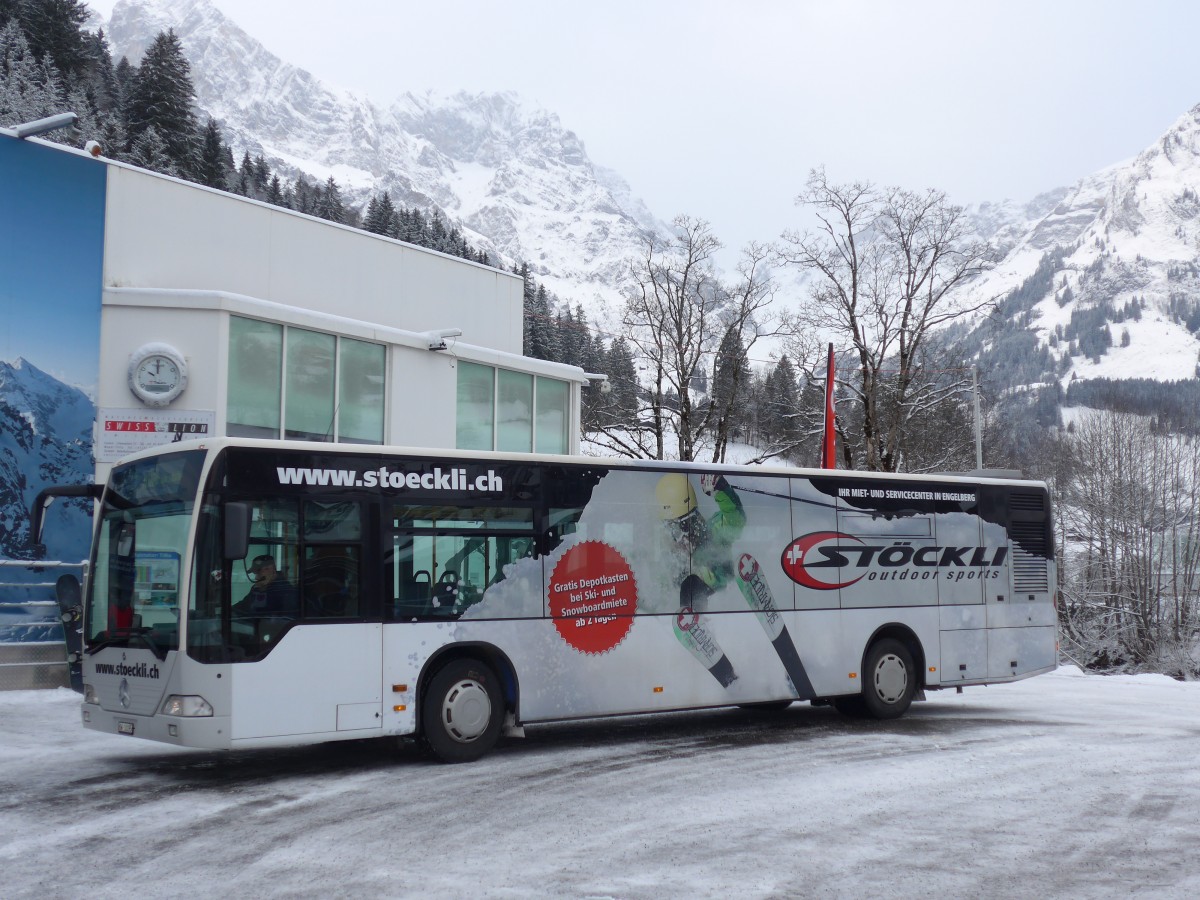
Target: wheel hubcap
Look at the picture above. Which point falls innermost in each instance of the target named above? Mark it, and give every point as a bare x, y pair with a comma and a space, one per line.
466, 711
891, 678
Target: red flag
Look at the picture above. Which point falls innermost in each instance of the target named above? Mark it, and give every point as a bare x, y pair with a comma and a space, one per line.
829, 444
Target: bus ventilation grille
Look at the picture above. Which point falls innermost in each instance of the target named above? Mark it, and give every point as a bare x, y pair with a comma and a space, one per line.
1027, 501
1030, 564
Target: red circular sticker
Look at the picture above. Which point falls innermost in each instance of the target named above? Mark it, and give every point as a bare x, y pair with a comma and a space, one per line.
593, 597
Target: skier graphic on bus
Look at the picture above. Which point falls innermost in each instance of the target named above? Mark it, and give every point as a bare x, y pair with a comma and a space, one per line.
707, 546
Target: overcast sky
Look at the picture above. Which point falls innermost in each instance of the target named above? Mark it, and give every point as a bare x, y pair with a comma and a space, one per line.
720, 109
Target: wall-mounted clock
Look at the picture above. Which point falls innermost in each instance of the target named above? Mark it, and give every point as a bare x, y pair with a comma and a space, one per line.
158, 374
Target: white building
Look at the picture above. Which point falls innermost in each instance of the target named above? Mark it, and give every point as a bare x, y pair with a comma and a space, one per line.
230, 316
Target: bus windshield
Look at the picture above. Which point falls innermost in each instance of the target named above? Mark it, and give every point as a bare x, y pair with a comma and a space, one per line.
137, 557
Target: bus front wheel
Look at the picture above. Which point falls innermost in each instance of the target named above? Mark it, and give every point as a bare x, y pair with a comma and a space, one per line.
891, 680
462, 711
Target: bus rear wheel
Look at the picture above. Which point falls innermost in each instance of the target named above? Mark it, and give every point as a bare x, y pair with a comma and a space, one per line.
890, 680
462, 711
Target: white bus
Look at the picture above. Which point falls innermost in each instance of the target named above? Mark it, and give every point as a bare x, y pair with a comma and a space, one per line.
250, 593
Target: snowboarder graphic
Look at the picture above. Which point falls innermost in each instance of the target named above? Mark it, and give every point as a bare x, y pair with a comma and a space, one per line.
708, 544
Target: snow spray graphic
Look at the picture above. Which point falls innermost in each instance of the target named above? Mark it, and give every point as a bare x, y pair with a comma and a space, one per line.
640, 601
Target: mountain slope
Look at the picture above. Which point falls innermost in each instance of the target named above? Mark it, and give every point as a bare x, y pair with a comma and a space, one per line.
524, 187
1108, 280
520, 183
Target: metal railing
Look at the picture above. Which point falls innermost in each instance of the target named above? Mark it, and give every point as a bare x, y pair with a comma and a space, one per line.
38, 662
1071, 650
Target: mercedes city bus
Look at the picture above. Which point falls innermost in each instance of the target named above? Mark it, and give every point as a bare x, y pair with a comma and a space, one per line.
248, 593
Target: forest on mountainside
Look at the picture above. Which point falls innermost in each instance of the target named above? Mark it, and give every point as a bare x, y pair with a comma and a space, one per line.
685, 378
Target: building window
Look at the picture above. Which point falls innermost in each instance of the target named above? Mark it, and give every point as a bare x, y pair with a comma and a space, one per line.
553, 408
285, 380
514, 412
476, 406
255, 378
360, 392
308, 403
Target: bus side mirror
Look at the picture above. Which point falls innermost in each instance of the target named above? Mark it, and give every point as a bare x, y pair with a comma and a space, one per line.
42, 503
237, 530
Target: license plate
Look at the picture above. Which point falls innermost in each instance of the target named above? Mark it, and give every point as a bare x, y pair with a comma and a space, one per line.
124, 728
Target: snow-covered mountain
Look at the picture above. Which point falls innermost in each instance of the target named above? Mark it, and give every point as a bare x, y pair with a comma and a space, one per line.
522, 185
45, 438
518, 181
1126, 236
1006, 222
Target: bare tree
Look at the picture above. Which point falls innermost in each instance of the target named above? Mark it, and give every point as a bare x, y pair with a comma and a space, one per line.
1131, 564
677, 312
888, 265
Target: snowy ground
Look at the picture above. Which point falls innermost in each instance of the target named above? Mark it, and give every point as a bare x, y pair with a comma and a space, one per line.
1062, 786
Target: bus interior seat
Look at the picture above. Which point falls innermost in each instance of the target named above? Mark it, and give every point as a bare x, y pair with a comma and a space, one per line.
414, 595
445, 596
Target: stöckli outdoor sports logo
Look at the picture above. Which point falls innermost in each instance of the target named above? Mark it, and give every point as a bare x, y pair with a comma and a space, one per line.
828, 560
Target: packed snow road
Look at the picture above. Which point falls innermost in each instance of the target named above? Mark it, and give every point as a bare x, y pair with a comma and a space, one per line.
1061, 786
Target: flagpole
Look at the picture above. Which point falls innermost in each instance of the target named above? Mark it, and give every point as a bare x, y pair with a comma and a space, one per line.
829, 443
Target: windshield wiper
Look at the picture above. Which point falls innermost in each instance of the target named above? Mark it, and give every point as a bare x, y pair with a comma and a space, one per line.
125, 634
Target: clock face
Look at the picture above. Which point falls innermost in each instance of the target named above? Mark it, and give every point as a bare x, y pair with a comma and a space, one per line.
157, 374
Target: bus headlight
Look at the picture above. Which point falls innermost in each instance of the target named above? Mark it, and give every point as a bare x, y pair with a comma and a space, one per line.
186, 705
89, 694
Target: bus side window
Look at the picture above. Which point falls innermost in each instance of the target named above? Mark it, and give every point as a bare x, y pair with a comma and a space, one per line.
331, 576
332, 559
412, 583
444, 558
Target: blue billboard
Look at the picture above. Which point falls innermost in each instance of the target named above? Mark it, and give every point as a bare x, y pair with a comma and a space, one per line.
52, 205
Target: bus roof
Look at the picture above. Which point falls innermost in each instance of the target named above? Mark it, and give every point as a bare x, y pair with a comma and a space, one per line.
216, 444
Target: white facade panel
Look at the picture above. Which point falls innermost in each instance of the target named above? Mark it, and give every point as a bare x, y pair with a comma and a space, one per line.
422, 399
162, 233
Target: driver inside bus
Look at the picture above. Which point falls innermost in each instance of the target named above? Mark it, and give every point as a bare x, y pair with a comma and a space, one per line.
271, 594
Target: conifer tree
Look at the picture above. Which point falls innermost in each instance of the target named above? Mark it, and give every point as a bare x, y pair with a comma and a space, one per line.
275, 192
537, 338
210, 169
162, 97
124, 74
731, 378
245, 173
381, 216
622, 378
303, 196
54, 29
780, 408
262, 175
29, 88
151, 152
102, 83
416, 229
328, 204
